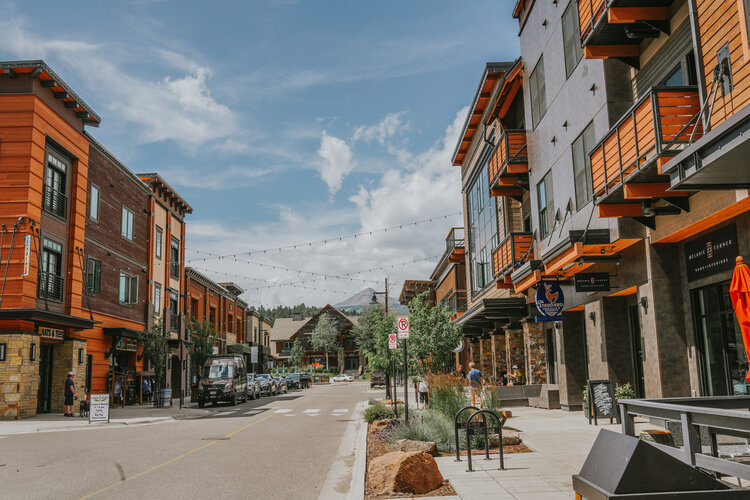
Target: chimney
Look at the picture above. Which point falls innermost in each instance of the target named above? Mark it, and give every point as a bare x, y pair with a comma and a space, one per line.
296, 317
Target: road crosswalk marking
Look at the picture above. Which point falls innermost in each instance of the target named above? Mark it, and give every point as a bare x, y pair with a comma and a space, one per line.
283, 410
252, 412
222, 413
341, 410
310, 411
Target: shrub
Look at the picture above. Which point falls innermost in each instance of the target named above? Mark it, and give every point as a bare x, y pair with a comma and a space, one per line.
428, 426
446, 394
624, 391
490, 400
377, 411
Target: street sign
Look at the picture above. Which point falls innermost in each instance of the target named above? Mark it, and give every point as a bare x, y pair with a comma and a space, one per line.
403, 327
99, 408
254, 354
392, 341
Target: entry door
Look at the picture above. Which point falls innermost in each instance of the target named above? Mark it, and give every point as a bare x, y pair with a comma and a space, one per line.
723, 361
176, 377
551, 358
639, 385
44, 396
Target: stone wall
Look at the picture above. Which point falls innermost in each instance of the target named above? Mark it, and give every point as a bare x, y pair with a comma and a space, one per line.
64, 360
485, 358
500, 353
514, 348
535, 349
19, 377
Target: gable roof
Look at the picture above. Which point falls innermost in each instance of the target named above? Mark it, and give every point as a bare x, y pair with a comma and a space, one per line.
288, 328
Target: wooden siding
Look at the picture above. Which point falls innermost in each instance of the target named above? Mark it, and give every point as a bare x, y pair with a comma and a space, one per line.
589, 12
446, 287
516, 247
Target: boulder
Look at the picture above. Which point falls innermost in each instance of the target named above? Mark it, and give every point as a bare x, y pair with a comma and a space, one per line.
404, 472
420, 446
506, 414
380, 425
509, 438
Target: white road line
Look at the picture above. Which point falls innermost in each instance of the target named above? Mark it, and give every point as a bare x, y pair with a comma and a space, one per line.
284, 410
342, 410
312, 410
252, 412
222, 413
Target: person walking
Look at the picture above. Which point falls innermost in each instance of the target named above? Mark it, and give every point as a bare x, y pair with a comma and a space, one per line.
70, 395
475, 381
423, 393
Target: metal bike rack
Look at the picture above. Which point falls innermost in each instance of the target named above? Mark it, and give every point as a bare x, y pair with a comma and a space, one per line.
473, 427
458, 425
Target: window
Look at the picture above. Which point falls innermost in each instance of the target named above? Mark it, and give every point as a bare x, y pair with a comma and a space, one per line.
54, 199
50, 277
287, 346
127, 224
482, 228
255, 335
158, 241
94, 202
128, 289
546, 205
2, 351
94, 275
538, 93
582, 165
571, 38
174, 312
157, 298
174, 262
682, 74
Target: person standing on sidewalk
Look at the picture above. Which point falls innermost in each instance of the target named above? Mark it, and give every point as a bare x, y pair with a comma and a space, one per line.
70, 394
423, 392
475, 381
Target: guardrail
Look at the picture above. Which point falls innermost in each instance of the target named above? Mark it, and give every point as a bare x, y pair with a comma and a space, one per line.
50, 286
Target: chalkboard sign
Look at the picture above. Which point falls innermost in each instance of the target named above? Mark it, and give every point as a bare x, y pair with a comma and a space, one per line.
602, 403
99, 408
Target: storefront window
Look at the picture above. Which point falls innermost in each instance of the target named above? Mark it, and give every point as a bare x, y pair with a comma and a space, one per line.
482, 228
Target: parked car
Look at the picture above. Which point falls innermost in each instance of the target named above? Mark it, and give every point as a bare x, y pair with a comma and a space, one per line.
253, 386
281, 385
377, 378
293, 381
342, 378
267, 384
224, 378
305, 380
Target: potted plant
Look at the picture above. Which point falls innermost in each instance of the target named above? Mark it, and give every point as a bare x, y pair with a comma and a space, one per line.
585, 404
624, 391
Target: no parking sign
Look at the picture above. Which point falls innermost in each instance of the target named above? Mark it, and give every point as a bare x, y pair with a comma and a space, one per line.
403, 327
392, 341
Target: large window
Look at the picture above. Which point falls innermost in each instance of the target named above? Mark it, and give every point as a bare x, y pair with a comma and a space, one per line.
157, 298
174, 262
54, 199
538, 92
158, 242
582, 165
94, 275
127, 224
94, 202
482, 228
571, 38
51, 281
128, 288
546, 205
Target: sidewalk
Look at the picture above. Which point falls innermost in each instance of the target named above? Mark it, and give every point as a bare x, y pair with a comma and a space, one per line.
561, 442
127, 416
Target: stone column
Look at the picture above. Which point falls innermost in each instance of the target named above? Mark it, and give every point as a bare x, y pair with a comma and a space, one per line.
64, 360
571, 349
499, 352
19, 376
535, 351
514, 348
485, 358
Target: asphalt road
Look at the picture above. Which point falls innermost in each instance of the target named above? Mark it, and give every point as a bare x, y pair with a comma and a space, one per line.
277, 447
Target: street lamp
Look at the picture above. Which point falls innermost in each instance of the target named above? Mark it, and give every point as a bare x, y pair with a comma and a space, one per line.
374, 302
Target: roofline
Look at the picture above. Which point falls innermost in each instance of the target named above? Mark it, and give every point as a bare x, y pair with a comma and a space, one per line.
441, 264
38, 63
155, 175
203, 279
107, 153
490, 67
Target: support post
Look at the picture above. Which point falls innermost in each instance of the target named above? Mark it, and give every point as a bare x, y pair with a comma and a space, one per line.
406, 387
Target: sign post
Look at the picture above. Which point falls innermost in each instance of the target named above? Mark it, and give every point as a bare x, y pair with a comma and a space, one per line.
403, 333
99, 408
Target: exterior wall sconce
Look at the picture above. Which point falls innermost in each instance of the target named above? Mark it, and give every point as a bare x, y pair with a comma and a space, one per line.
644, 304
592, 317
32, 352
557, 325
80, 356
2, 352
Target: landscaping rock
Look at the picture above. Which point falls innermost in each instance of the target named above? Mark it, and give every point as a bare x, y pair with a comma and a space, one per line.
404, 472
380, 425
509, 438
420, 446
506, 414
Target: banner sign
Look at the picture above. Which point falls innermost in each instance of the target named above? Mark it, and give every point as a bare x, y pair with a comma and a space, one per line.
592, 282
99, 408
550, 301
403, 327
254, 354
124, 344
712, 253
26, 256
51, 333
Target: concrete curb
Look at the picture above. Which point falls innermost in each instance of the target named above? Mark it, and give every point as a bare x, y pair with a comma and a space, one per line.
341, 479
357, 486
85, 426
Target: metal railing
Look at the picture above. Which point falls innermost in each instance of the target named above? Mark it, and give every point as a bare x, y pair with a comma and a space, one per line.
55, 202
711, 416
589, 13
510, 157
456, 302
512, 252
50, 286
456, 239
174, 321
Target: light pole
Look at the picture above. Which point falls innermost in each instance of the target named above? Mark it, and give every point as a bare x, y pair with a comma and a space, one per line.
374, 301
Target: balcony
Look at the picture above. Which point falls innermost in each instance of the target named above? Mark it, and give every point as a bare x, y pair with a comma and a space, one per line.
656, 128
456, 302
174, 321
50, 286
509, 165
455, 243
510, 254
55, 202
616, 28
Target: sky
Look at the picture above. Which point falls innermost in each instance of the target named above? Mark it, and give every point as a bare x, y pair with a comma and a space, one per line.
283, 122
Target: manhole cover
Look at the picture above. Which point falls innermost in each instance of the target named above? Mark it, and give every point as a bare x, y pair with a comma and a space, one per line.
216, 439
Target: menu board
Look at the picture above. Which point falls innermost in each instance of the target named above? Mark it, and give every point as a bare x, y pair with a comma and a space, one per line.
99, 408
602, 403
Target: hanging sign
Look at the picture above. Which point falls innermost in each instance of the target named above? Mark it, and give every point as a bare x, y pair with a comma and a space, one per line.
550, 301
26, 256
254, 354
124, 344
392, 341
99, 408
712, 253
592, 282
403, 327
460, 348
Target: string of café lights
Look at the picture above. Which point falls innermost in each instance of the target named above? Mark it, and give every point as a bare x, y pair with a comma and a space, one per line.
309, 244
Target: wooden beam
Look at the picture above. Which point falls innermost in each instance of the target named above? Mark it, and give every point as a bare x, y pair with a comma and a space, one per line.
501, 285
61, 95
569, 255
507, 181
509, 98
627, 15
607, 51
648, 190
49, 83
528, 281
34, 74
506, 192
620, 210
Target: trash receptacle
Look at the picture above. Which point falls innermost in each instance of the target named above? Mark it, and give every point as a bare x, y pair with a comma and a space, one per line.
166, 398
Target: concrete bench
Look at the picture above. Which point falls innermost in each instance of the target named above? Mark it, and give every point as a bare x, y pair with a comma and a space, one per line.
549, 398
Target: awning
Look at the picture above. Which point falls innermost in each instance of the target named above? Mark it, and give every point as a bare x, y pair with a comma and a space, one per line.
121, 332
718, 160
49, 317
491, 314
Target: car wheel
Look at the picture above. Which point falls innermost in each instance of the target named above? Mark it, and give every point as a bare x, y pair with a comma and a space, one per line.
214, 403
201, 404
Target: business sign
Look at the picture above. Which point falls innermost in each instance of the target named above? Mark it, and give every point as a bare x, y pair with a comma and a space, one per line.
99, 408
550, 301
592, 282
254, 354
51, 333
392, 341
461, 346
124, 344
26, 256
403, 327
712, 253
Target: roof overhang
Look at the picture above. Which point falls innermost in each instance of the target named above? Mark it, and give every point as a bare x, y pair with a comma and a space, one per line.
412, 288
154, 179
49, 317
512, 83
491, 314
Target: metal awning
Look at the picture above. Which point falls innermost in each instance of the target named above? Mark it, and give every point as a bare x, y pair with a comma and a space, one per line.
490, 314
127, 333
718, 160
48, 317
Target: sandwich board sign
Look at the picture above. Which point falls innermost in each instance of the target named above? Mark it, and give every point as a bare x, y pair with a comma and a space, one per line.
392, 341
403, 327
99, 408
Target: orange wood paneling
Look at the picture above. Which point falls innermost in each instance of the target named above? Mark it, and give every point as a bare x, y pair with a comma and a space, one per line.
711, 221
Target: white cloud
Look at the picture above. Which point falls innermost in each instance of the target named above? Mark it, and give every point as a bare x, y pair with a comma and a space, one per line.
387, 128
337, 162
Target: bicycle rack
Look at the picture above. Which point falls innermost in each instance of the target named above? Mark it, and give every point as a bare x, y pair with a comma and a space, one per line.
459, 425
473, 427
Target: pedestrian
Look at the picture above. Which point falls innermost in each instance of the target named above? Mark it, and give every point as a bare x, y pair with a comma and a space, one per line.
70, 395
516, 376
475, 381
424, 396
460, 371
503, 376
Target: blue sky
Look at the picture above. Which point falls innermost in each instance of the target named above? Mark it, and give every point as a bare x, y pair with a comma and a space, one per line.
283, 121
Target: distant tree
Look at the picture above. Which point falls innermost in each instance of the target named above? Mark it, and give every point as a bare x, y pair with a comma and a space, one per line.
325, 336
432, 336
297, 354
364, 330
154, 348
238, 348
204, 339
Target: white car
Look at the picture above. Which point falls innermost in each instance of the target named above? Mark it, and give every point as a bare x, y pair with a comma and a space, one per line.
342, 378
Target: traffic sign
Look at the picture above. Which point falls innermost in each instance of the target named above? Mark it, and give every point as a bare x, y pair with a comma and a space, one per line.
403, 327
392, 341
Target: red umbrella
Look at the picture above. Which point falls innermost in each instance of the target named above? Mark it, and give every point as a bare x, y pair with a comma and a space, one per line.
740, 292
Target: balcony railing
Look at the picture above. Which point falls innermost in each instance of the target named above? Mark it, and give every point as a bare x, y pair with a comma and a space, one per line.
512, 252
658, 126
174, 321
50, 286
589, 12
456, 302
455, 243
510, 157
55, 202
